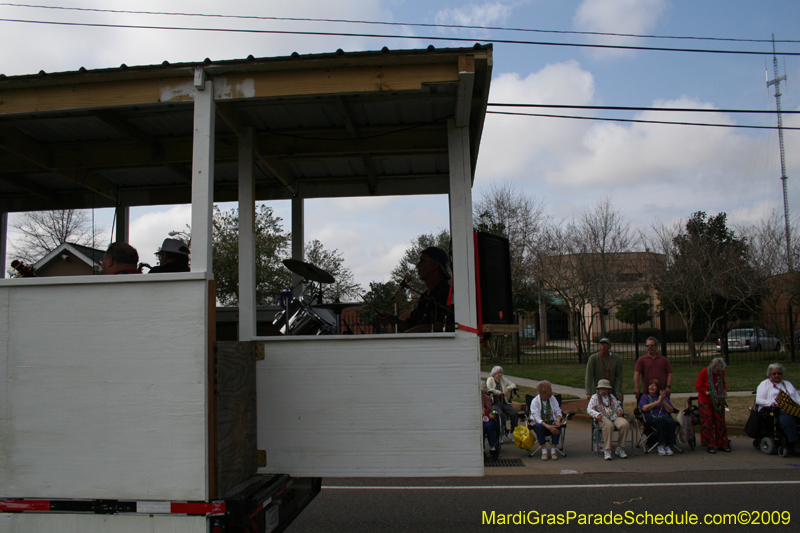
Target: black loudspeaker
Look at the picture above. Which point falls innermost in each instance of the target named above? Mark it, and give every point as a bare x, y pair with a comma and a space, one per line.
494, 279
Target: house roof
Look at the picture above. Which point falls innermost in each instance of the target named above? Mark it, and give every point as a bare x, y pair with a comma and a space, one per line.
326, 125
90, 256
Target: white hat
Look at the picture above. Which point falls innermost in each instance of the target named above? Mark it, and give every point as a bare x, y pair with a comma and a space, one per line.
175, 246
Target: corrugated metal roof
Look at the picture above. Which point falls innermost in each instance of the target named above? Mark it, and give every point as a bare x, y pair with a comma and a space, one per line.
341, 124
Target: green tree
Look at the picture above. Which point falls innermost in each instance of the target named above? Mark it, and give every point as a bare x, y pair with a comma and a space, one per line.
706, 277
634, 310
272, 246
383, 296
345, 288
406, 266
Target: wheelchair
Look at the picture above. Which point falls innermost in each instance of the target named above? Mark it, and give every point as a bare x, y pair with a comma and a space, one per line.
647, 434
548, 438
771, 437
499, 426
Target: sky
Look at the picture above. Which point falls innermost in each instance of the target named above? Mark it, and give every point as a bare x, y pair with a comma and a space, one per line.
650, 172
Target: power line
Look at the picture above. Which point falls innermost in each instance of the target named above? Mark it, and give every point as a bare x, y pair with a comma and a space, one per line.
639, 120
388, 36
630, 108
403, 24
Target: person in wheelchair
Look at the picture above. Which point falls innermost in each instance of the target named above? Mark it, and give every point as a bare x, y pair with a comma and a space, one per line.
657, 412
767, 399
500, 388
490, 430
607, 411
546, 418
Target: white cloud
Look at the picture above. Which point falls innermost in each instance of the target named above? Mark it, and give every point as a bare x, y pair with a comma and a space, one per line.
64, 48
489, 14
148, 230
511, 144
618, 16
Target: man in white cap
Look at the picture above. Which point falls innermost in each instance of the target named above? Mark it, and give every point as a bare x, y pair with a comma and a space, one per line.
604, 365
173, 256
607, 411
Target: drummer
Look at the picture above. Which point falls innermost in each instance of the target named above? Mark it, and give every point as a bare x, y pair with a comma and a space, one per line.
432, 312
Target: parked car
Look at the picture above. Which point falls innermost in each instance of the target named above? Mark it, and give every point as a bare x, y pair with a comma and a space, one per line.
751, 340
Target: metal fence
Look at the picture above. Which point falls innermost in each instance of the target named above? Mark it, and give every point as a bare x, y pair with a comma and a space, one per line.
571, 339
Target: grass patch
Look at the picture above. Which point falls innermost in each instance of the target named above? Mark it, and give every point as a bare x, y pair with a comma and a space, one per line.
741, 376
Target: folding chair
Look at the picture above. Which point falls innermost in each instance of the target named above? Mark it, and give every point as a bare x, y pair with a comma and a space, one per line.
597, 435
563, 430
648, 435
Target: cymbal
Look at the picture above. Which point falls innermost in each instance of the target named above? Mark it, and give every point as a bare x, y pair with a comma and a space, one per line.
308, 271
338, 307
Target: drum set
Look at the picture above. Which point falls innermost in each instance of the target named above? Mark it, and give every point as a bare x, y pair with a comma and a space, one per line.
306, 314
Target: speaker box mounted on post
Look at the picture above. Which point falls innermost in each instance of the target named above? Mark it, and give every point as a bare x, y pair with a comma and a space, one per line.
493, 275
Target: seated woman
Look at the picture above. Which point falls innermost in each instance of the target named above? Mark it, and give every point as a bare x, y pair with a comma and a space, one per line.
501, 388
657, 410
711, 392
546, 418
767, 397
489, 430
607, 410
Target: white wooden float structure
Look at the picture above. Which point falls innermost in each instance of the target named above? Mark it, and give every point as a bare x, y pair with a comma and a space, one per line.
115, 387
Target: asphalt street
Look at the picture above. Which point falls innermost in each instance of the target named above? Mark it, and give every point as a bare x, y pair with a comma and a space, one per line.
736, 500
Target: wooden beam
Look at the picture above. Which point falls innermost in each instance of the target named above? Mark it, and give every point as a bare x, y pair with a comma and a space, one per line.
342, 80
76, 93
466, 77
71, 95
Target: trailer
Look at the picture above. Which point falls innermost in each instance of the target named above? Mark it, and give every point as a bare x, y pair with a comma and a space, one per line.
120, 408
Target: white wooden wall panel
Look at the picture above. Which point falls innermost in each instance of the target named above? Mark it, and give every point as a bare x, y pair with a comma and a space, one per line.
372, 406
75, 523
104, 388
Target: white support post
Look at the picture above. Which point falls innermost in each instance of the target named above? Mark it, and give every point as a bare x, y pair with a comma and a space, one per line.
464, 298
203, 178
298, 237
3, 239
247, 240
123, 224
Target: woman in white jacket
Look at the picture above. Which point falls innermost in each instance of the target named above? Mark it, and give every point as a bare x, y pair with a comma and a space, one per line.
500, 388
767, 396
607, 410
546, 418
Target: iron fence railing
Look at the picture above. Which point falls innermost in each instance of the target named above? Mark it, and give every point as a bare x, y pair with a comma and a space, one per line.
571, 339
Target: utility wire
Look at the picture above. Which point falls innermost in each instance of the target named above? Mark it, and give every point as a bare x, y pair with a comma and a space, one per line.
402, 24
629, 108
639, 121
404, 37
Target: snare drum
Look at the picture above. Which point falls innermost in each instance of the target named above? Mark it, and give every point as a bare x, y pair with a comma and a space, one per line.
312, 321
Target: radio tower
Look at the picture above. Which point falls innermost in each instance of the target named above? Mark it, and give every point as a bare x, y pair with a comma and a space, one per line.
776, 81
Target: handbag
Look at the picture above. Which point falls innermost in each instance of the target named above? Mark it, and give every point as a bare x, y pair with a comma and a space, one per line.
751, 426
523, 438
787, 405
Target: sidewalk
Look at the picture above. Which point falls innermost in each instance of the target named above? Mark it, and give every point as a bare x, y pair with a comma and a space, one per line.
580, 459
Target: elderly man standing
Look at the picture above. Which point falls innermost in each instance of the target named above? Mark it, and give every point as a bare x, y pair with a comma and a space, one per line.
652, 366
604, 365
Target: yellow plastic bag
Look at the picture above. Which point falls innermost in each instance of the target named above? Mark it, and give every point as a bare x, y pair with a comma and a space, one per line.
523, 438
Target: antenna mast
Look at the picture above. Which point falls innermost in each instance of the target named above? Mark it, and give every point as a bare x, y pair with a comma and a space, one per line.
777, 83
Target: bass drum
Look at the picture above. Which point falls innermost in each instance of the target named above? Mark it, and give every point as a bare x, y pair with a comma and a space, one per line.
311, 321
